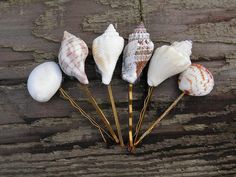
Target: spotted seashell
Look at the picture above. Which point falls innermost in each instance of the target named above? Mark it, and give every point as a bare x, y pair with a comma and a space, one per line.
106, 51
196, 81
72, 56
137, 53
168, 61
44, 81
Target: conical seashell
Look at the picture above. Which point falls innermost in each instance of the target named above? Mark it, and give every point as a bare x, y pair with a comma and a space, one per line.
168, 61
196, 81
72, 56
137, 53
44, 81
106, 51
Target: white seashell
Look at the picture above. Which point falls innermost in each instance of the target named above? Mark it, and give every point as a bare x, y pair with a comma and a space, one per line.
137, 53
168, 61
44, 81
106, 51
72, 56
196, 81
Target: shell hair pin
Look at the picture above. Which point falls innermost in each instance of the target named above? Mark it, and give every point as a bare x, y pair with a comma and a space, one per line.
106, 50
137, 53
196, 80
166, 62
46, 79
43, 83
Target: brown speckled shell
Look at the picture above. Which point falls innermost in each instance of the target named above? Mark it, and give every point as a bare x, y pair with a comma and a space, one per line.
196, 81
72, 56
137, 53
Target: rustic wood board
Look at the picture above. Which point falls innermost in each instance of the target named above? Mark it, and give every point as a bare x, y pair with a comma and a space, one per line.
196, 139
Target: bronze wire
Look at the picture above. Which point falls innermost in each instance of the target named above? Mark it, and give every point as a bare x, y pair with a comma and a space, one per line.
130, 96
143, 111
100, 112
149, 130
83, 113
115, 115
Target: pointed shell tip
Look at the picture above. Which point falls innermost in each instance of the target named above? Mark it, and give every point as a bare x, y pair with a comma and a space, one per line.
66, 34
111, 28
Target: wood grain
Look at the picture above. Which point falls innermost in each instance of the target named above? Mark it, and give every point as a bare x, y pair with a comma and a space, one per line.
196, 139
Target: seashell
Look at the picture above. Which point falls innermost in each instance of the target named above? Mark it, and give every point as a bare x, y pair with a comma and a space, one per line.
106, 51
137, 53
168, 61
72, 56
196, 81
44, 81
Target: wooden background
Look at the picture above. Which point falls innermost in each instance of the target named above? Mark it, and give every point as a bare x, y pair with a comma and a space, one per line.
52, 139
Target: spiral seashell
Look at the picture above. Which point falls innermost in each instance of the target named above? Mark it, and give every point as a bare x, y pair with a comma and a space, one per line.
168, 61
196, 81
106, 51
44, 81
72, 56
137, 53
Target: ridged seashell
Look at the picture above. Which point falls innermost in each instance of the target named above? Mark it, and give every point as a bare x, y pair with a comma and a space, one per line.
106, 51
44, 81
137, 53
168, 61
196, 81
72, 56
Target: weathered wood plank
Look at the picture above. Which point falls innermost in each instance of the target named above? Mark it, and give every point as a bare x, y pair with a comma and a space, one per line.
210, 24
196, 139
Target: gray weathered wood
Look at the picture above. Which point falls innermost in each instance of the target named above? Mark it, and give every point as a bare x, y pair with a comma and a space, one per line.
51, 139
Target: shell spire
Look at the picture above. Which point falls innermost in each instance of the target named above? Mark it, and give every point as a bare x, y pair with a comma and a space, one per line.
168, 61
110, 31
140, 28
72, 56
137, 53
106, 50
196, 81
